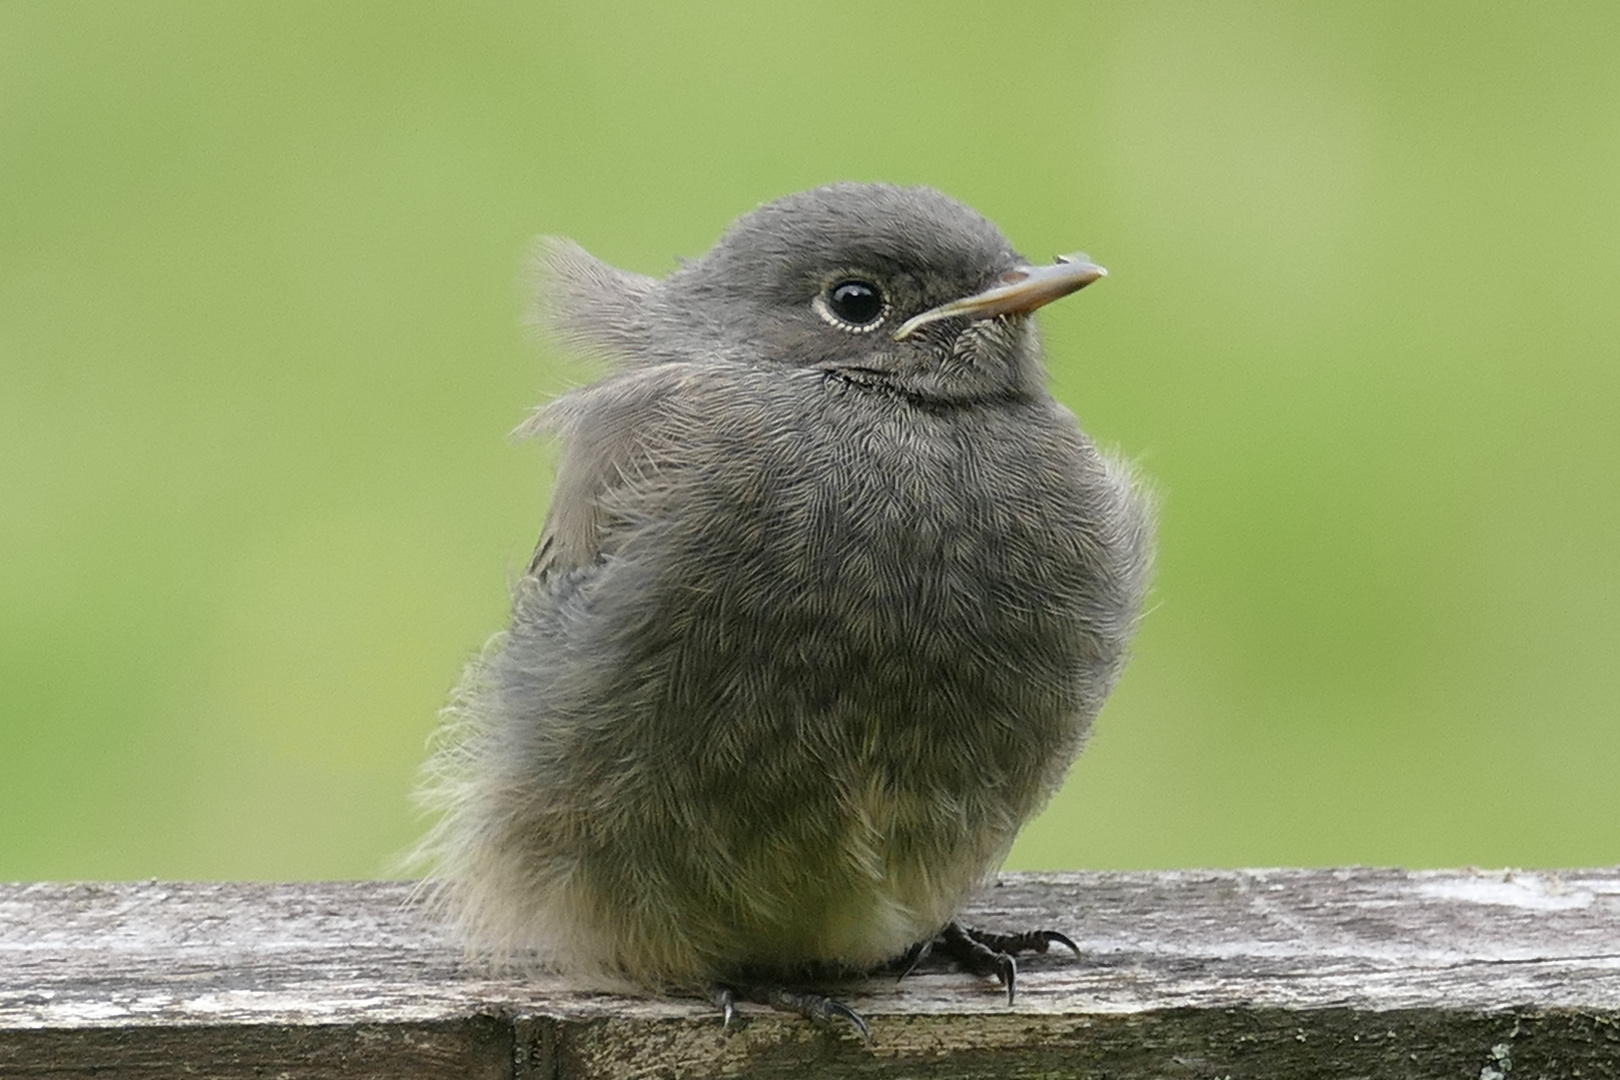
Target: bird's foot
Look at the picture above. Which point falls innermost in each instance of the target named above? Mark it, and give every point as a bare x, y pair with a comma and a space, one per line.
984, 952
816, 1007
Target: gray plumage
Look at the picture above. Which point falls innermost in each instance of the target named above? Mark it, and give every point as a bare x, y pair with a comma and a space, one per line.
818, 617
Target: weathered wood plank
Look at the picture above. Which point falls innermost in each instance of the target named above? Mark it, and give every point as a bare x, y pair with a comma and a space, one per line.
1293, 973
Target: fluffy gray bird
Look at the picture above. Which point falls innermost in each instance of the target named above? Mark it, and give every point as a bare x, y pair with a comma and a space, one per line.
829, 591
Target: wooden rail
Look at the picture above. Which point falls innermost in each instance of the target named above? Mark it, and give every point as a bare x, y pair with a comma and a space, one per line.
1258, 973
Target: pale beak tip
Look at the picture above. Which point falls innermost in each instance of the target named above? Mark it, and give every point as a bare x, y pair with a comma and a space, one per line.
1080, 258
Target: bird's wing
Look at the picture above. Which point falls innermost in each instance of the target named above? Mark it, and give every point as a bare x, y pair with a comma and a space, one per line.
613, 433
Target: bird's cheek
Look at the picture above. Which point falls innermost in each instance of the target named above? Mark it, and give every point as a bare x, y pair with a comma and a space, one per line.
890, 361
929, 347
910, 358
990, 345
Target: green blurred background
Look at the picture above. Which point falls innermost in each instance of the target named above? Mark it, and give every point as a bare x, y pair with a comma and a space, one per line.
259, 356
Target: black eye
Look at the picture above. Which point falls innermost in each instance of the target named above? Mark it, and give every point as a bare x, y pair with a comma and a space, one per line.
855, 302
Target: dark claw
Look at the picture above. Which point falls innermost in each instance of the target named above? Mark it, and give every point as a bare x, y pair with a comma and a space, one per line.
913, 956
838, 1008
1008, 974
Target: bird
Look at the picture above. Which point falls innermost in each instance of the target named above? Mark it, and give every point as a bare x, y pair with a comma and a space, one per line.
828, 593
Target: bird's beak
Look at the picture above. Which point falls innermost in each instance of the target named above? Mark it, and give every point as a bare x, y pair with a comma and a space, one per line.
1015, 292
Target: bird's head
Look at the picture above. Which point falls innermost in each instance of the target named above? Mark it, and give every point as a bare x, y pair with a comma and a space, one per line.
889, 287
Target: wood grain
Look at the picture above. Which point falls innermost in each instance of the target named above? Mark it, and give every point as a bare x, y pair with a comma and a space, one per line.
1259, 973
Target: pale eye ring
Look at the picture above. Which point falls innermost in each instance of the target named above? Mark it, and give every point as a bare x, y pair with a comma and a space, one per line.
853, 304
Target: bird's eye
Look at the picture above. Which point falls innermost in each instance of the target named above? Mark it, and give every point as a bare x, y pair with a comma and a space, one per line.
855, 304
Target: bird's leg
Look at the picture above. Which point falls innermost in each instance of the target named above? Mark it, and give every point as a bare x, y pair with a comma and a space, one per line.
811, 1006
984, 952
980, 959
